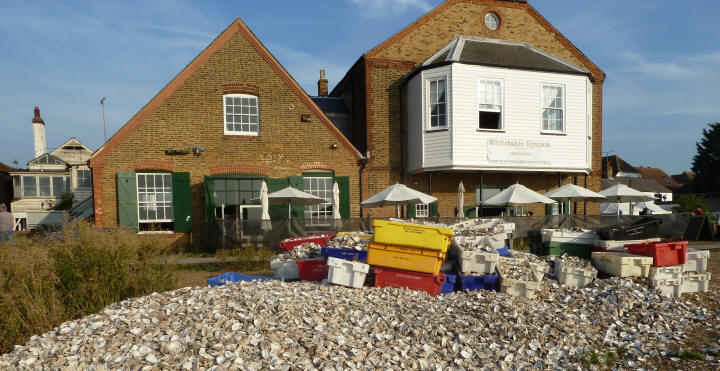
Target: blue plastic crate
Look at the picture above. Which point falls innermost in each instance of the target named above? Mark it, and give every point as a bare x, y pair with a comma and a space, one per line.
480, 282
505, 251
346, 254
230, 277
449, 285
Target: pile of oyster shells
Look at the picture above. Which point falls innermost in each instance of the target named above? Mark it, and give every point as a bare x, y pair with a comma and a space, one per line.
532, 258
281, 326
575, 262
515, 269
470, 245
304, 251
356, 242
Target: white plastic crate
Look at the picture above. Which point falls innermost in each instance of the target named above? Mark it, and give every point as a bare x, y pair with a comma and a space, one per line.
572, 276
666, 272
670, 287
285, 269
346, 273
696, 260
539, 270
695, 282
620, 245
520, 288
585, 237
497, 241
622, 264
476, 262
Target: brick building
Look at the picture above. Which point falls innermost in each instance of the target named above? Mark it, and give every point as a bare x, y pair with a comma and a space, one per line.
201, 148
418, 114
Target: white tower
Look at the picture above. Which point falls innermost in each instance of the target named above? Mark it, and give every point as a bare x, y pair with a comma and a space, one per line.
39, 134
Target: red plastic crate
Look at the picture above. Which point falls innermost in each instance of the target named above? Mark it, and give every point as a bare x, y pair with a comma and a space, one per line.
318, 239
430, 283
312, 270
663, 253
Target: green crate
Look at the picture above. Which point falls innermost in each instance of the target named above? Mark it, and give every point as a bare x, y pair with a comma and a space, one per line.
572, 249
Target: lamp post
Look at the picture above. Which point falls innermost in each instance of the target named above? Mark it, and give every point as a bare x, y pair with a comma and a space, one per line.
102, 104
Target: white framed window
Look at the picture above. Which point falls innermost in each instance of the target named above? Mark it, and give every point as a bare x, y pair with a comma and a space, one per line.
437, 104
154, 191
320, 186
84, 179
42, 186
490, 104
422, 210
242, 115
553, 108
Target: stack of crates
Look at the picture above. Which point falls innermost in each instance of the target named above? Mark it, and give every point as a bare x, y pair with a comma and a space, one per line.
557, 242
347, 267
671, 271
409, 255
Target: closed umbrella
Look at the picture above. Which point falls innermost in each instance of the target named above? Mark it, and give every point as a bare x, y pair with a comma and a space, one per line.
518, 194
622, 193
572, 192
336, 201
396, 195
460, 201
264, 202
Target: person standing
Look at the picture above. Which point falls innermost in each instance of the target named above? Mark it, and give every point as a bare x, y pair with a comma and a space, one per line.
7, 224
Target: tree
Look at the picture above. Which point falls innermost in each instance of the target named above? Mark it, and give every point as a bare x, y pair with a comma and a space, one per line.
688, 203
706, 163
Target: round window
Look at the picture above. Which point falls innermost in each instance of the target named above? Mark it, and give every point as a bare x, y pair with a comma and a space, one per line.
492, 21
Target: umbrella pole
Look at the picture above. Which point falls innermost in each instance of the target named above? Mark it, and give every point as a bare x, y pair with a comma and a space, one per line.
398, 210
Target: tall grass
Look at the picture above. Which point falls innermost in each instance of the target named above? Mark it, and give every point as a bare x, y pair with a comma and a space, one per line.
50, 278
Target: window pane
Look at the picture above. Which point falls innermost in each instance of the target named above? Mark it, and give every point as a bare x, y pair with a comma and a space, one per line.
244, 184
143, 213
30, 186
44, 182
441, 91
232, 198
236, 101
219, 184
228, 100
149, 181
58, 185
433, 92
489, 120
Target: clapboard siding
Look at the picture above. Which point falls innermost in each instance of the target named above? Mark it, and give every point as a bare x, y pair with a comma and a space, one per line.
522, 113
437, 144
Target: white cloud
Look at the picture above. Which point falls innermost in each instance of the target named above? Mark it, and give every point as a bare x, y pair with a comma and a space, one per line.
383, 8
666, 69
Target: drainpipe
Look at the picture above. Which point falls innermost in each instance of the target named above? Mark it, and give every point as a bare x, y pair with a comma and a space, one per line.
363, 163
585, 202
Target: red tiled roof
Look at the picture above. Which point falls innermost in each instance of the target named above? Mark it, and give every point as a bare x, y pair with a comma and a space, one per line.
5, 168
658, 175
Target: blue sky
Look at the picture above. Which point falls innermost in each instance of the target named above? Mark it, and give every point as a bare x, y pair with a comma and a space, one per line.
661, 59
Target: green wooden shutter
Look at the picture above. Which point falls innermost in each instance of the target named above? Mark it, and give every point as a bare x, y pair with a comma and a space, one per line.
127, 200
434, 209
297, 183
411, 211
343, 183
277, 212
209, 198
182, 219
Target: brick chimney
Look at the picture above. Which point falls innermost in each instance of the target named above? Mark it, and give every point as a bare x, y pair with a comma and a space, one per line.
39, 134
322, 85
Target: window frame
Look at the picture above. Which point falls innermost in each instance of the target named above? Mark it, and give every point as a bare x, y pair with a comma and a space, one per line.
327, 213
563, 109
428, 104
502, 104
225, 115
88, 178
418, 210
142, 221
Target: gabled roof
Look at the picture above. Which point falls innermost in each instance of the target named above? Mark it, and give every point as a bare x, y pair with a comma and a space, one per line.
236, 27
684, 177
71, 142
49, 158
640, 184
588, 64
616, 164
499, 53
658, 175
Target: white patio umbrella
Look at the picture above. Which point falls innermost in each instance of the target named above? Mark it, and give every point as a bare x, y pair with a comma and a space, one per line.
652, 207
290, 196
518, 194
460, 201
620, 193
264, 202
396, 195
572, 192
336, 201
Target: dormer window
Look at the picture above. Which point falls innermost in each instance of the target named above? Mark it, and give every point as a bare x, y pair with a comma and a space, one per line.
437, 104
490, 103
241, 114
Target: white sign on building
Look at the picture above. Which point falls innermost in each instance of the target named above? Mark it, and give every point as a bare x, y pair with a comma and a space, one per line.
519, 152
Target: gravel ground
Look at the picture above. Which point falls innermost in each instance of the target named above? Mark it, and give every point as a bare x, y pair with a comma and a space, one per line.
278, 325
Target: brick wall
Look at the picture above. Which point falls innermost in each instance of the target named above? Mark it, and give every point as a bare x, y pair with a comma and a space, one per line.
386, 65
192, 115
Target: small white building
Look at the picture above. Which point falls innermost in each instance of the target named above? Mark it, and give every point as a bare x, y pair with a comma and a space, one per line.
49, 177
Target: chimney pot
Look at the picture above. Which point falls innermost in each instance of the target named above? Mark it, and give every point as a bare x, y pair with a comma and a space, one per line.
37, 118
322, 85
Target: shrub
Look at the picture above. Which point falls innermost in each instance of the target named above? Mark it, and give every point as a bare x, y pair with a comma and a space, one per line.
55, 277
